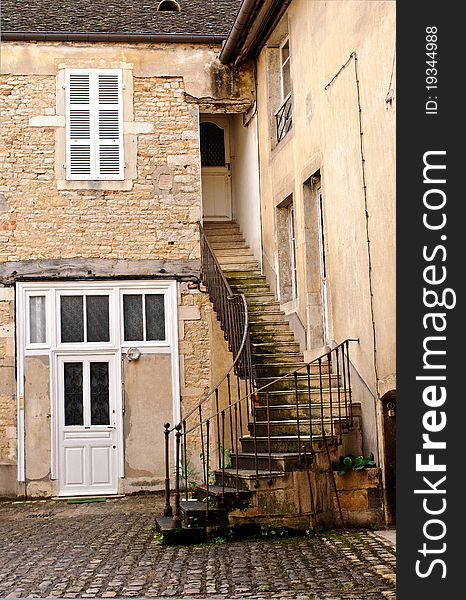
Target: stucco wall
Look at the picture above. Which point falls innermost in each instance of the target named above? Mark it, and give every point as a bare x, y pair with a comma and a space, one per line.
148, 405
325, 136
37, 418
245, 181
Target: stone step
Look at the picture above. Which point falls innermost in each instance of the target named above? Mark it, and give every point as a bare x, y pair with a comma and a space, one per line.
234, 252
245, 478
232, 260
268, 327
255, 309
284, 385
224, 237
231, 273
269, 316
285, 393
274, 347
250, 288
280, 428
281, 462
178, 536
279, 444
273, 337
208, 225
254, 298
277, 357
275, 370
222, 496
227, 245
246, 280
240, 267
194, 514
287, 412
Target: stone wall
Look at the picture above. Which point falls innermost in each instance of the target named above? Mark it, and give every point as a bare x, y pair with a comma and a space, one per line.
7, 394
155, 219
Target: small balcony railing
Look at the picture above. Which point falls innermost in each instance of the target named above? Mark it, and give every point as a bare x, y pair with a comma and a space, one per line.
284, 118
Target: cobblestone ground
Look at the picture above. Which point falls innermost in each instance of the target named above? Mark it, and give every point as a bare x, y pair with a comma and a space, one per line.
108, 549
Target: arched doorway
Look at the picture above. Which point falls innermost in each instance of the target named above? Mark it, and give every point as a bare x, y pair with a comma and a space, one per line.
389, 454
215, 168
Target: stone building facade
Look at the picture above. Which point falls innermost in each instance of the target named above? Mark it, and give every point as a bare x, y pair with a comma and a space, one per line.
124, 247
303, 93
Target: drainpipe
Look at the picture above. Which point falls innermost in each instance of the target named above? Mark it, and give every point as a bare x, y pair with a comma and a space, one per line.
70, 36
237, 29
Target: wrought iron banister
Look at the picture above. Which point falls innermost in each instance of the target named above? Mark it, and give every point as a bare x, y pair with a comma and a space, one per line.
284, 117
330, 411
292, 373
232, 312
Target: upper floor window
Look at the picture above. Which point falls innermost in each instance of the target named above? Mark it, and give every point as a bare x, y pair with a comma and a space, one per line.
284, 115
285, 68
94, 124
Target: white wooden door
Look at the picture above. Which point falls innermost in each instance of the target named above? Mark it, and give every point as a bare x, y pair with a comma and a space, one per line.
87, 388
215, 168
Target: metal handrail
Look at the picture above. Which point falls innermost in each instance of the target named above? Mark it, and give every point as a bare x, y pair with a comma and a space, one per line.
239, 405
267, 385
232, 312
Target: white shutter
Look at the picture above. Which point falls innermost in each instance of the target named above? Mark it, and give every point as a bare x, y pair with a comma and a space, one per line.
94, 119
79, 122
109, 125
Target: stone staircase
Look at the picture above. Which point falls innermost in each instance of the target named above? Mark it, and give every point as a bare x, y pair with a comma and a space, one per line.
274, 353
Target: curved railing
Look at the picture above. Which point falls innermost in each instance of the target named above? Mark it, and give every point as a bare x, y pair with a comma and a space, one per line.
232, 312
237, 412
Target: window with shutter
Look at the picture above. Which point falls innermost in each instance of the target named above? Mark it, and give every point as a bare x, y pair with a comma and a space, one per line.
94, 124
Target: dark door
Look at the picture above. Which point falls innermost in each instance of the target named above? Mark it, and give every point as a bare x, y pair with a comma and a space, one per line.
389, 427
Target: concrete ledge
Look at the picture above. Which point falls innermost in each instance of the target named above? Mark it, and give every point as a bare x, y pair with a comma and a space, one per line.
47, 121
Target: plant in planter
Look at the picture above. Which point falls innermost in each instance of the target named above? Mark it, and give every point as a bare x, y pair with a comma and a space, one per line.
353, 463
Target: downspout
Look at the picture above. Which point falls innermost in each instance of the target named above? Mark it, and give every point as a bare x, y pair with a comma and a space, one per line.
237, 29
69, 36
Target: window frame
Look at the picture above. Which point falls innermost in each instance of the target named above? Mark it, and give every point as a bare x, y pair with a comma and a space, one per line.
144, 343
283, 116
53, 291
285, 64
293, 251
78, 291
28, 294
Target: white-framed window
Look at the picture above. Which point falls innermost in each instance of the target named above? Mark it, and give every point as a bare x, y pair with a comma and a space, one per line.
84, 318
78, 316
143, 315
94, 124
284, 114
285, 68
37, 319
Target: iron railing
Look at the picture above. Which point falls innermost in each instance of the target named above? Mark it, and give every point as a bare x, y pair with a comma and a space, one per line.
284, 118
237, 420
236, 384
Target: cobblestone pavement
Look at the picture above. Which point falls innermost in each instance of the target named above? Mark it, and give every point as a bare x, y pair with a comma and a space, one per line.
108, 550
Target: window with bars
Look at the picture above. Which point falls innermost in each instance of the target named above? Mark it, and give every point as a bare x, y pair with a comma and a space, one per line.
284, 115
212, 145
94, 124
84, 318
144, 317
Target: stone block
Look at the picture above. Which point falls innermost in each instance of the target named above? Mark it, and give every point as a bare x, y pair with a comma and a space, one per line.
189, 313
